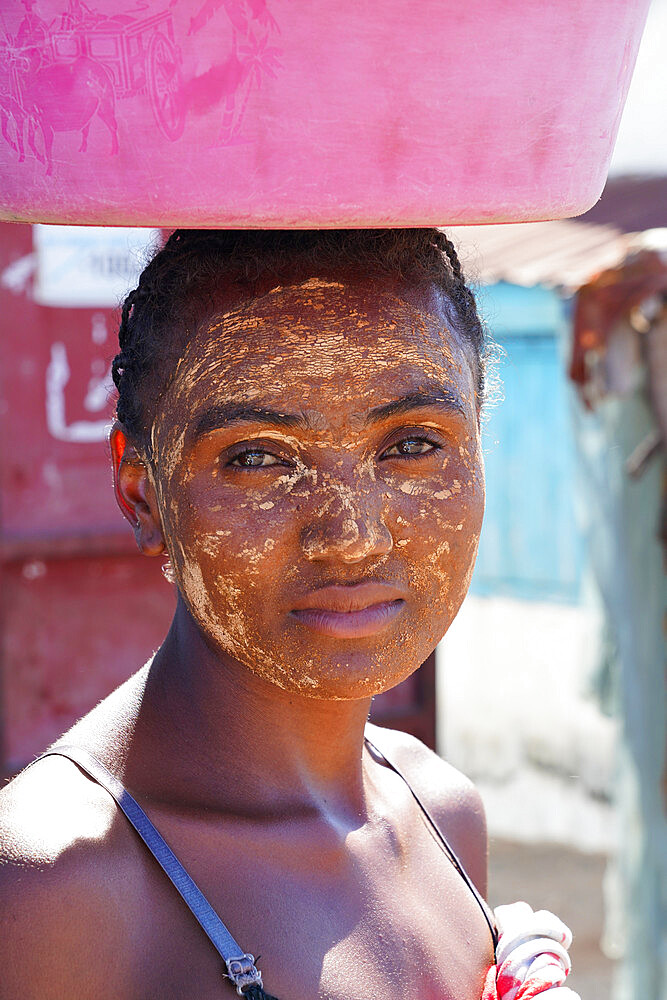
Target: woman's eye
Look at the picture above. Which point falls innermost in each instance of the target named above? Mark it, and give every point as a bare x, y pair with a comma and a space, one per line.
255, 459
410, 447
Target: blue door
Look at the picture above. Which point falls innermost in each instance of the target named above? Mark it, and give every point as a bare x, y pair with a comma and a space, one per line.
530, 546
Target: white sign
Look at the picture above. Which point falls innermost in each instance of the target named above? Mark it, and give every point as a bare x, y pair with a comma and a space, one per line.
89, 265
97, 398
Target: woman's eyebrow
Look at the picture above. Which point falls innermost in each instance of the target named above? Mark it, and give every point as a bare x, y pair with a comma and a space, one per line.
226, 414
443, 399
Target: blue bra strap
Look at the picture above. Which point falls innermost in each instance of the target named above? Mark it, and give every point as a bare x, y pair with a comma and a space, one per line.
240, 965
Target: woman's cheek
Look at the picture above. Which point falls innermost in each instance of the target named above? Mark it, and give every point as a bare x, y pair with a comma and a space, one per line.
231, 589
437, 535
240, 547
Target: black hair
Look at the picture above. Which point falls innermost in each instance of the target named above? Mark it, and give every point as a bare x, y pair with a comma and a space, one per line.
183, 281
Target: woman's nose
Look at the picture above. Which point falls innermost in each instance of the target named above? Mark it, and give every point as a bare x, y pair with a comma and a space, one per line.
348, 527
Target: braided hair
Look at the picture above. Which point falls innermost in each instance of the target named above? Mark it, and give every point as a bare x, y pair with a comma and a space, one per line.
182, 283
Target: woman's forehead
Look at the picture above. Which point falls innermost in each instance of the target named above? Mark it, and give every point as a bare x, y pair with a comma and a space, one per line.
319, 329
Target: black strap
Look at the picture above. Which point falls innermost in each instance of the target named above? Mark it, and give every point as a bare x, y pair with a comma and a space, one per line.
240, 965
442, 840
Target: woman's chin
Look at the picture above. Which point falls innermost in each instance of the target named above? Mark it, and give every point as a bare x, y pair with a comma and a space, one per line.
326, 668
345, 678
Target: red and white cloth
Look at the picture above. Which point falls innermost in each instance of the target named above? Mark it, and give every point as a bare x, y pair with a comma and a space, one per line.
531, 956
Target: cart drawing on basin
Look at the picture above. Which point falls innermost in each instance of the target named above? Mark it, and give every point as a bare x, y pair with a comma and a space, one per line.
139, 55
60, 77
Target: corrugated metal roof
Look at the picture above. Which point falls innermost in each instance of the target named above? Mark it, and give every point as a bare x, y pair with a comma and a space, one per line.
555, 254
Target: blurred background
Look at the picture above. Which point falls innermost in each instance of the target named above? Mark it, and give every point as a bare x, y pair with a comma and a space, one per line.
551, 682
549, 689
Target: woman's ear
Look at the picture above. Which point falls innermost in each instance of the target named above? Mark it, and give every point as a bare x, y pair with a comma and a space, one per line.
134, 493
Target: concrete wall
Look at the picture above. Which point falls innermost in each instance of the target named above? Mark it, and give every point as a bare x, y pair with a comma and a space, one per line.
517, 713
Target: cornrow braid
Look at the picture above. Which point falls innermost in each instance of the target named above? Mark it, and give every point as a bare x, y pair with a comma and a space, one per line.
182, 284
464, 301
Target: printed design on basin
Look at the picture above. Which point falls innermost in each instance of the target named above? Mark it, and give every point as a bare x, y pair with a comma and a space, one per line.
60, 76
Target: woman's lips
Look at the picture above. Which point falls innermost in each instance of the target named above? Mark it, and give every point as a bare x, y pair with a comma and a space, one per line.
350, 612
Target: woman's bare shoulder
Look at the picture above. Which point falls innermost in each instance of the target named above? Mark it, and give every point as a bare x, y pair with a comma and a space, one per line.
450, 797
51, 812
50, 806
59, 884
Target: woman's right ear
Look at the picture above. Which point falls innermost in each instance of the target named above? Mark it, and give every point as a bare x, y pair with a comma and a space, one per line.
134, 493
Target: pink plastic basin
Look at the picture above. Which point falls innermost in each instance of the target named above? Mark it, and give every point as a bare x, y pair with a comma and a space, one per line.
282, 113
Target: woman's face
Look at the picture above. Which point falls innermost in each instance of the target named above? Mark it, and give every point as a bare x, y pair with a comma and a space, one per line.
319, 481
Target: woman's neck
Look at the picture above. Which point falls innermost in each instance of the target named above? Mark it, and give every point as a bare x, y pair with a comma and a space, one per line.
219, 735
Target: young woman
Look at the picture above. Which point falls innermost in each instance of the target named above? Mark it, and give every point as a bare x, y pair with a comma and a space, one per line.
298, 432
